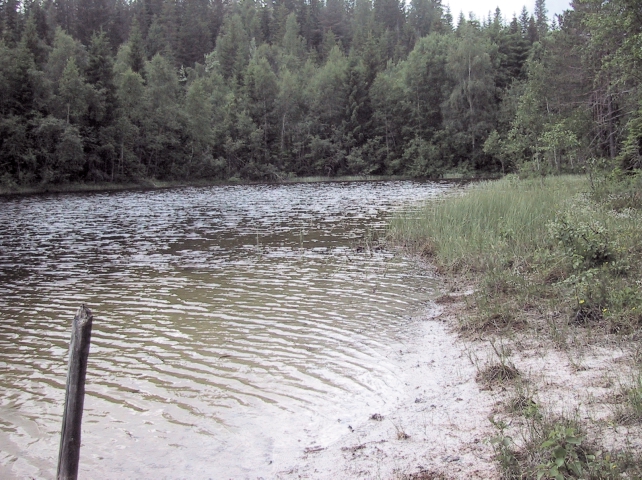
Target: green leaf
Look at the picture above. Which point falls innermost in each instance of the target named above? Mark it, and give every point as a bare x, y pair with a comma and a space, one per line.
559, 452
574, 440
575, 467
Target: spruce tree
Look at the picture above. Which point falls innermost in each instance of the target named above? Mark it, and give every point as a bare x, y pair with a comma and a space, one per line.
136, 57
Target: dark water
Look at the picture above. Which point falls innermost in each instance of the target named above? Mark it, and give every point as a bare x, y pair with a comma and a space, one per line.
234, 326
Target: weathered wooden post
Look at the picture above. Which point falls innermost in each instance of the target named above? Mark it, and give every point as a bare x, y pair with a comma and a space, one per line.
69, 455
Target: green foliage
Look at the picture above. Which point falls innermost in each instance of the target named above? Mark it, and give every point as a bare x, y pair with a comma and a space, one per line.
554, 143
232, 48
320, 88
618, 189
597, 244
587, 243
424, 158
536, 242
555, 448
471, 105
136, 55
563, 454
503, 445
278, 95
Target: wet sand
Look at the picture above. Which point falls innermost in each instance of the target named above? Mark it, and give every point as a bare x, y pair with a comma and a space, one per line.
439, 429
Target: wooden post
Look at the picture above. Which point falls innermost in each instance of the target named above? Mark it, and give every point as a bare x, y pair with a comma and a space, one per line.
69, 455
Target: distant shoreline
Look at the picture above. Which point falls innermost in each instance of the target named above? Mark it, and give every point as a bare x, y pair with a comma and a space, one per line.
152, 184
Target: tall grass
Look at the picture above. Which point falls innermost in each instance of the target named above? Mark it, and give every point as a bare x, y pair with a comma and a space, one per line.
490, 222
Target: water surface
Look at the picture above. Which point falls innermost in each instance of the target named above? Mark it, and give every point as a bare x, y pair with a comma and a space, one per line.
234, 326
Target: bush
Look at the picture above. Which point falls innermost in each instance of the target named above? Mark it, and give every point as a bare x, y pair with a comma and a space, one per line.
587, 243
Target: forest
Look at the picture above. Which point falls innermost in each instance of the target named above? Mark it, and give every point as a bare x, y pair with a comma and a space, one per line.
100, 91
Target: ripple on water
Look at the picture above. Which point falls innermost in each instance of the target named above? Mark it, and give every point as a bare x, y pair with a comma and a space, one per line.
233, 325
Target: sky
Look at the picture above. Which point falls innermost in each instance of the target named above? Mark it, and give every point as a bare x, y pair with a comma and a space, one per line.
481, 7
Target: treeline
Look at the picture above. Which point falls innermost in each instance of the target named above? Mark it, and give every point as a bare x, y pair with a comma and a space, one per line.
115, 91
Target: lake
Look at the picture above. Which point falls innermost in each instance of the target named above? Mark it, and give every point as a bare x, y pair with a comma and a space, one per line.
234, 326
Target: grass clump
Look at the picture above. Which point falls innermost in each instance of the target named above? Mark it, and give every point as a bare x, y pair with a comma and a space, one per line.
497, 373
499, 370
630, 410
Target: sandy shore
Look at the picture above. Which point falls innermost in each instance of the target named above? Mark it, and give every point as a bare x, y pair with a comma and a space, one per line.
440, 428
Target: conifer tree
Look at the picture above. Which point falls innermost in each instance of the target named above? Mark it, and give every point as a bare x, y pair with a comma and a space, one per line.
11, 28
541, 18
136, 57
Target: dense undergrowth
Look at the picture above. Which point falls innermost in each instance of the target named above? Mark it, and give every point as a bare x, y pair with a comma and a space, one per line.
546, 257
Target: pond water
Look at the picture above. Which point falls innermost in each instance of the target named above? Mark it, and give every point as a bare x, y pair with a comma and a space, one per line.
234, 326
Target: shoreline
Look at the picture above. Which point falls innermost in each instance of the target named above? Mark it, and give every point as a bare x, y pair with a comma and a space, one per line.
451, 417
151, 184
439, 428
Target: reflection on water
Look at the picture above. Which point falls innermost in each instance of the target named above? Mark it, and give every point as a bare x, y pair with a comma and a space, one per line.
233, 326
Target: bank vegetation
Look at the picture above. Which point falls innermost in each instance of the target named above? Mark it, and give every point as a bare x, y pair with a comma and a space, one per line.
553, 266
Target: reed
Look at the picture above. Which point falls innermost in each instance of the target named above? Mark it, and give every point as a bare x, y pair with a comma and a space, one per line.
487, 223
